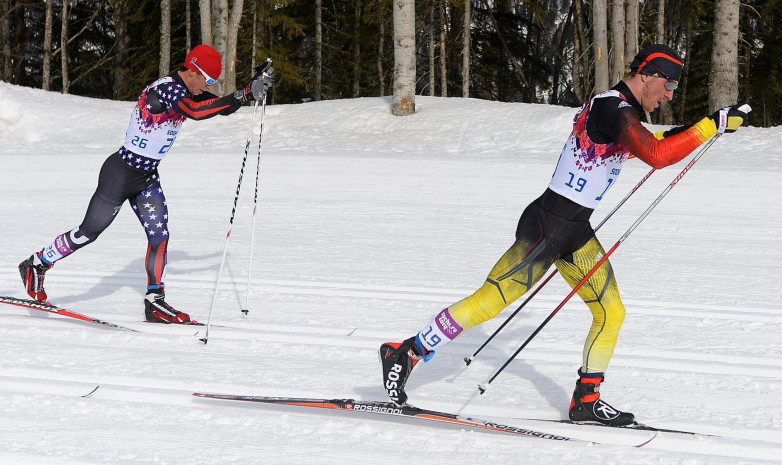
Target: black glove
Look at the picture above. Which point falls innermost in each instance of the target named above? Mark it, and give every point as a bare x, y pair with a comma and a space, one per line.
256, 88
729, 119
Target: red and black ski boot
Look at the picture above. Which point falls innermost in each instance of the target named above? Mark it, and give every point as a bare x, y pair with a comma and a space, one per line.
398, 360
158, 311
586, 404
32, 271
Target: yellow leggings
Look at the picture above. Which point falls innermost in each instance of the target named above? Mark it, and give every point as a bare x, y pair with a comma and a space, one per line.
511, 278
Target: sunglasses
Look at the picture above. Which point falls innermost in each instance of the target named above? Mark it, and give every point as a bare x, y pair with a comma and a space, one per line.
209, 80
671, 85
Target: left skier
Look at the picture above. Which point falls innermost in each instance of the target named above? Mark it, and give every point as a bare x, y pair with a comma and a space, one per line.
131, 172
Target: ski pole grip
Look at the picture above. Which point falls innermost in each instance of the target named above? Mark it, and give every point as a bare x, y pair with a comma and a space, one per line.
260, 69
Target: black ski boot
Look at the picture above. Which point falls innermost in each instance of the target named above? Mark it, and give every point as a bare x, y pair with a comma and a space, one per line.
586, 404
158, 311
398, 360
32, 271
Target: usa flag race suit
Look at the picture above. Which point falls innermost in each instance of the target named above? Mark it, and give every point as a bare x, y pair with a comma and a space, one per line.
131, 173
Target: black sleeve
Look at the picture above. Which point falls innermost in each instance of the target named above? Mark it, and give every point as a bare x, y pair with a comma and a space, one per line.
608, 119
676, 130
204, 96
153, 102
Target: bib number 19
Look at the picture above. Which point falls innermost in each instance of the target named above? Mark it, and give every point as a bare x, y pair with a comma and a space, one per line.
580, 183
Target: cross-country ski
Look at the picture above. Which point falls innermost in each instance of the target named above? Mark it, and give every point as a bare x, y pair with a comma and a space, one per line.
387, 409
51, 308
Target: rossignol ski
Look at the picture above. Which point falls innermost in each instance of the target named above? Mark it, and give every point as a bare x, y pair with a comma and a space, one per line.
389, 409
635, 426
50, 308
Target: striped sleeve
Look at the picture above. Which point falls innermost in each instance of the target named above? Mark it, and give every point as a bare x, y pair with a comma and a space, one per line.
198, 109
657, 152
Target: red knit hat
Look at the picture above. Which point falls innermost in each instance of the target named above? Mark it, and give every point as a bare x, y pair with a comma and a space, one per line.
205, 57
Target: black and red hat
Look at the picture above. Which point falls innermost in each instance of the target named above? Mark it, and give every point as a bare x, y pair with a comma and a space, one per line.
658, 60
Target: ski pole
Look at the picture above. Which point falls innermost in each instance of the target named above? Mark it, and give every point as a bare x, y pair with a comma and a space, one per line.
246, 308
469, 360
205, 339
483, 387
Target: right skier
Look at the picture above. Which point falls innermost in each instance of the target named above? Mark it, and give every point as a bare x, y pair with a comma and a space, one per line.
554, 229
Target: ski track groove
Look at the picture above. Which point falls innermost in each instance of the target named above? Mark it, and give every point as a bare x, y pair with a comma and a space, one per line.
424, 294
114, 395
685, 362
738, 443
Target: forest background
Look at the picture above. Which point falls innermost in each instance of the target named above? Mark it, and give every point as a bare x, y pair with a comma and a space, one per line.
558, 52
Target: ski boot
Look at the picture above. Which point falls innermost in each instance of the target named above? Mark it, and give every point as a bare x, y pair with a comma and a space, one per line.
158, 311
32, 271
398, 360
586, 404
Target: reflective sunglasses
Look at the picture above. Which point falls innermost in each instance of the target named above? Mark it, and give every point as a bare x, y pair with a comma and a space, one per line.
671, 85
209, 80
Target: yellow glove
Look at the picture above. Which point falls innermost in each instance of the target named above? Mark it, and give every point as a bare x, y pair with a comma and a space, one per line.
726, 119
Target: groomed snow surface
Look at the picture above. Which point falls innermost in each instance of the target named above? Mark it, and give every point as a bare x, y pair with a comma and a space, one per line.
367, 225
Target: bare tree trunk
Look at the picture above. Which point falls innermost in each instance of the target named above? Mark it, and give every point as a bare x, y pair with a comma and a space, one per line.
578, 72
565, 29
47, 46
724, 75
205, 8
617, 61
443, 67
164, 65
583, 55
631, 33
64, 47
121, 45
404, 58
254, 46
578, 50
122, 66
6, 71
220, 38
357, 51
270, 41
431, 52
319, 50
188, 32
665, 114
600, 34
683, 81
232, 38
380, 55
466, 49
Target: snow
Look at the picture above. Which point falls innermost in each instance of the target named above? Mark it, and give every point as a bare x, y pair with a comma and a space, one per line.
367, 226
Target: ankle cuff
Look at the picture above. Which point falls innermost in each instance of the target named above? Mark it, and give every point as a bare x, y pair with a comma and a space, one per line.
425, 354
590, 378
